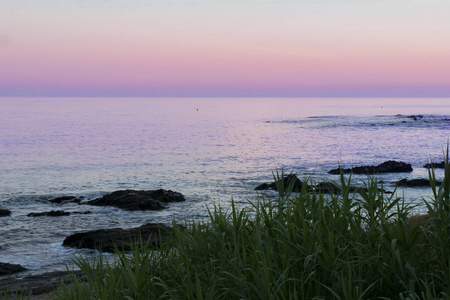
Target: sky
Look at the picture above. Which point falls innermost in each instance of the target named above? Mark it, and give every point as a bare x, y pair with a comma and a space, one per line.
224, 48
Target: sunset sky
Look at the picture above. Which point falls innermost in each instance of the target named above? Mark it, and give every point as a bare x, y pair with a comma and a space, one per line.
209, 48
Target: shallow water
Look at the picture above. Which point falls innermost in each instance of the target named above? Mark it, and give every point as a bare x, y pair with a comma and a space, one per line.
208, 149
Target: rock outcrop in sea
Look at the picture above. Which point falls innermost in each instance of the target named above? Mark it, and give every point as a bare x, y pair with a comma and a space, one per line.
133, 200
7, 269
390, 166
108, 240
57, 213
5, 212
421, 182
440, 165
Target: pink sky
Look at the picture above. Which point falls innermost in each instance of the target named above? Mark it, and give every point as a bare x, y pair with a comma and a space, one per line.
219, 48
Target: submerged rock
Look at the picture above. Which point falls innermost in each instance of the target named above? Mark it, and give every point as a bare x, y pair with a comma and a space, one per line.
390, 166
108, 240
415, 182
5, 212
440, 165
57, 213
137, 200
7, 269
67, 199
53, 213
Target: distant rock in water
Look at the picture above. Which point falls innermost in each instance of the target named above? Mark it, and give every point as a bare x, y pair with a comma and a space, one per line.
7, 269
5, 212
415, 182
108, 239
390, 166
440, 165
67, 199
137, 200
287, 180
57, 213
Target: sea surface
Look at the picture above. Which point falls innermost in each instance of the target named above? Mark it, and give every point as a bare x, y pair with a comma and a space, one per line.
211, 150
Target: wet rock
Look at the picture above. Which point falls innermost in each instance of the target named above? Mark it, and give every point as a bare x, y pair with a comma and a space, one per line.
137, 200
67, 199
53, 213
108, 240
440, 165
36, 284
5, 212
415, 182
415, 117
57, 213
287, 181
390, 166
7, 269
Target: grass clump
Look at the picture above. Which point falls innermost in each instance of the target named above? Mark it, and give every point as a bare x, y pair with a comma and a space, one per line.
362, 244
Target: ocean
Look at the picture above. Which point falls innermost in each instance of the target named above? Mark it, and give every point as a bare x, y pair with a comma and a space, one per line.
211, 150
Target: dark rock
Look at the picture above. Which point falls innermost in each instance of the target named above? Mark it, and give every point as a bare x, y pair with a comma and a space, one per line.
67, 199
36, 284
137, 200
327, 188
108, 239
5, 213
53, 213
82, 212
263, 187
57, 213
415, 117
415, 182
390, 166
287, 181
440, 165
7, 269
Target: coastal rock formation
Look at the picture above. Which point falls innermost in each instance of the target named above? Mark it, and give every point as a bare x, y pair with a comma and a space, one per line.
389, 166
108, 239
137, 200
57, 213
5, 212
287, 181
7, 269
36, 284
415, 182
322, 187
67, 199
440, 165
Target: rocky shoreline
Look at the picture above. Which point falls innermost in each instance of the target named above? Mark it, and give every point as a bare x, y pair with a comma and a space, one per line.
107, 240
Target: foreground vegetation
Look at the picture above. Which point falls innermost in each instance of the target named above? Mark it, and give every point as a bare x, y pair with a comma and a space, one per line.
350, 245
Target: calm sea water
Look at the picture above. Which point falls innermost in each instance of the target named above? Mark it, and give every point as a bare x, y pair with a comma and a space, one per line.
211, 150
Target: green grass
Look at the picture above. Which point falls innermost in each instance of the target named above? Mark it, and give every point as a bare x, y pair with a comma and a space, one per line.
349, 245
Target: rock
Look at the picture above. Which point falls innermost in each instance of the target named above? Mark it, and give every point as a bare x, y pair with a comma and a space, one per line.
415, 182
5, 212
57, 213
7, 269
108, 239
328, 188
137, 200
36, 284
67, 199
440, 165
415, 117
53, 213
390, 166
287, 180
